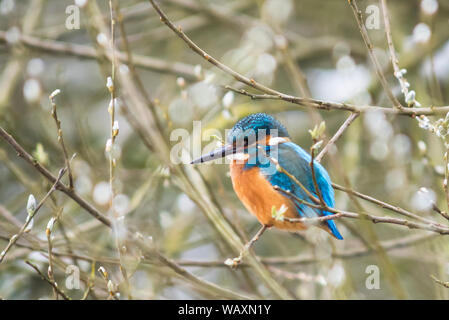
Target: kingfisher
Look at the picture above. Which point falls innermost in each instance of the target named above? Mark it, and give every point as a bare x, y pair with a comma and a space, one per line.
259, 145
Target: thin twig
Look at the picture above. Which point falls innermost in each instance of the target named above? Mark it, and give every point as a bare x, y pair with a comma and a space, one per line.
359, 18
83, 51
400, 242
132, 68
337, 135
52, 283
14, 238
50, 177
110, 285
302, 276
54, 114
50, 272
327, 105
446, 176
443, 283
152, 253
312, 169
375, 219
112, 161
233, 263
48, 233
385, 205
439, 211
90, 282
394, 59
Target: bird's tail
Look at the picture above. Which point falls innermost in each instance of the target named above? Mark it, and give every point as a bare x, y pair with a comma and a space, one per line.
331, 228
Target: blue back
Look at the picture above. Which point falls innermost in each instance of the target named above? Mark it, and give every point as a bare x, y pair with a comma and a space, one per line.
296, 161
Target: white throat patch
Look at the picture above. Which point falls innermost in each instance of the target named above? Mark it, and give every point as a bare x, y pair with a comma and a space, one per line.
276, 140
239, 156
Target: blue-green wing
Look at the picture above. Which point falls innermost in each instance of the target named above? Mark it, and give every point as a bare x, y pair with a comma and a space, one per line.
296, 161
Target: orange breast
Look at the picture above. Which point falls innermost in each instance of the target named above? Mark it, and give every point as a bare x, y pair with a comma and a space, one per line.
258, 197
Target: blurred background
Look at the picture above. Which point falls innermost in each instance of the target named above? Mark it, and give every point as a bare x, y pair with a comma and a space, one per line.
301, 47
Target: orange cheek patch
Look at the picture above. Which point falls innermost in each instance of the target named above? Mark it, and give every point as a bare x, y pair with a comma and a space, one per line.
258, 197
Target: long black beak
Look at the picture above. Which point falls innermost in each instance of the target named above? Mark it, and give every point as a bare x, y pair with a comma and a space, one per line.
216, 154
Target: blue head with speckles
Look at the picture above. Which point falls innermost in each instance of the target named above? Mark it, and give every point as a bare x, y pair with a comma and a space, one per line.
252, 126
250, 134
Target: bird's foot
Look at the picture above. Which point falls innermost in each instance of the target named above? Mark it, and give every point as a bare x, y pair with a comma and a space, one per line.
234, 263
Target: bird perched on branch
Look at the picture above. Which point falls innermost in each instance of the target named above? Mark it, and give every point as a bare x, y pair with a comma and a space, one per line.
273, 177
